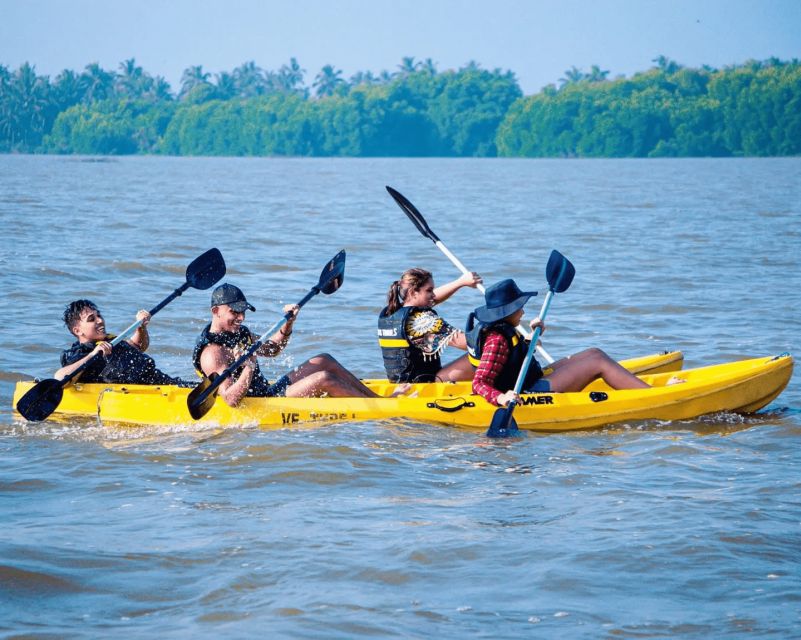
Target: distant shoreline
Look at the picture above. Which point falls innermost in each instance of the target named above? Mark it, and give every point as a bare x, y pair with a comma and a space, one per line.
748, 110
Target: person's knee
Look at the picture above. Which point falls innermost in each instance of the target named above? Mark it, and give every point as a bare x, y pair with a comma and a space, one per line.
596, 354
323, 360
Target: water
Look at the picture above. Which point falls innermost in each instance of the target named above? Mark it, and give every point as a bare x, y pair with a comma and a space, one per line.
398, 529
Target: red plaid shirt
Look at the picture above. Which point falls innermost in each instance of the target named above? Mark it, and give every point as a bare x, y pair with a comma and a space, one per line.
493, 359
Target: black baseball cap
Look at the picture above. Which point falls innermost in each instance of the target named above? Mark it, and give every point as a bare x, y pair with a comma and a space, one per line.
232, 296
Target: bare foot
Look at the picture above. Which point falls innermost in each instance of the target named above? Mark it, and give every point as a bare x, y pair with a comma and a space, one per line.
675, 380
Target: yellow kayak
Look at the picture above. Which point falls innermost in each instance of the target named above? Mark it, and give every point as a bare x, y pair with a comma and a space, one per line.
651, 363
744, 386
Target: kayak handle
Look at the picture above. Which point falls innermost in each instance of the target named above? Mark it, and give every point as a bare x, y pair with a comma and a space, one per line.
462, 403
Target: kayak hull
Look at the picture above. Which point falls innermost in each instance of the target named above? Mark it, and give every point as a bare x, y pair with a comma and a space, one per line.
744, 386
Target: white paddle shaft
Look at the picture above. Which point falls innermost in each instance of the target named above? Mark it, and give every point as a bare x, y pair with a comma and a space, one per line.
457, 263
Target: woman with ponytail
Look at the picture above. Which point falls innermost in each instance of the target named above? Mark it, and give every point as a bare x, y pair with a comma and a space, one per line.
411, 334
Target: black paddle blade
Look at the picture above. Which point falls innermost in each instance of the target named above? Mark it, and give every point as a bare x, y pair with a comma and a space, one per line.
559, 272
206, 270
414, 215
503, 424
41, 400
333, 274
200, 407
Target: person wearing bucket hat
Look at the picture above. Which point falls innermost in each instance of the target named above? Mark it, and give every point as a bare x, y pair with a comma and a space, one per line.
225, 338
411, 334
502, 299
498, 352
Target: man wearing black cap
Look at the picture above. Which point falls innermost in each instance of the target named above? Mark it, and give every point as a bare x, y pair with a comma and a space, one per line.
225, 338
497, 351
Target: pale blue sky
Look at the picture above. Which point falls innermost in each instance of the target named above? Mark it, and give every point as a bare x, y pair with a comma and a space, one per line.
536, 39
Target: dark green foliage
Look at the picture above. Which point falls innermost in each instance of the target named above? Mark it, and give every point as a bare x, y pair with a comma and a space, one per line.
753, 110
110, 127
669, 110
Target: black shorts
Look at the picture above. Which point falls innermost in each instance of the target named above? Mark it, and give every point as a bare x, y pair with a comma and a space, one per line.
278, 388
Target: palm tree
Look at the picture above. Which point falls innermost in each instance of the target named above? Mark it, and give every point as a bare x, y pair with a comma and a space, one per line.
5, 77
572, 76
6, 111
249, 80
408, 66
363, 77
291, 77
99, 82
596, 74
69, 88
273, 82
132, 81
193, 77
29, 101
226, 85
429, 66
328, 81
666, 65
161, 89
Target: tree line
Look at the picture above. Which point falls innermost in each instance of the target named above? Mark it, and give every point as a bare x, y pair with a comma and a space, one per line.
667, 110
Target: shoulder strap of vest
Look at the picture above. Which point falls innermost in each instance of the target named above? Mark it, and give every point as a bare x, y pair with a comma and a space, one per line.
476, 331
242, 338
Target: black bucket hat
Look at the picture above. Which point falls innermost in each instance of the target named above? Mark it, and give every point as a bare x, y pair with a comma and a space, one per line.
232, 296
502, 299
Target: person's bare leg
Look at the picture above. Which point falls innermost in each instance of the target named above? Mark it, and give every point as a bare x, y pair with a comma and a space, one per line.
323, 374
321, 383
577, 371
459, 369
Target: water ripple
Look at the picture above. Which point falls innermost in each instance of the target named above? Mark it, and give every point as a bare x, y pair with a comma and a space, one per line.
394, 528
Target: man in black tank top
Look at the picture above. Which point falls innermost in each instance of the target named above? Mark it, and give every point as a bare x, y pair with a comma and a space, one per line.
225, 338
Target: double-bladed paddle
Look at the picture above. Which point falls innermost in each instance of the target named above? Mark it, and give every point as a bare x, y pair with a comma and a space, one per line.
422, 226
45, 396
202, 398
559, 272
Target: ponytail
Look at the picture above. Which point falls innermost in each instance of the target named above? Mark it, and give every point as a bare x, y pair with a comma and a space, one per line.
411, 280
394, 298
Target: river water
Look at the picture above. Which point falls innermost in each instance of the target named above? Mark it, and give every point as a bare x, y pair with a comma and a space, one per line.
400, 529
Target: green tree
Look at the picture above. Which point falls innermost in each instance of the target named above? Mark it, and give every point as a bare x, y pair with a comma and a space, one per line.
69, 88
572, 76
408, 66
99, 82
290, 77
250, 80
328, 82
26, 108
132, 82
192, 77
666, 65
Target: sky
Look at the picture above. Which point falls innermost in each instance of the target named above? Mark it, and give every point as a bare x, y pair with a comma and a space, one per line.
538, 40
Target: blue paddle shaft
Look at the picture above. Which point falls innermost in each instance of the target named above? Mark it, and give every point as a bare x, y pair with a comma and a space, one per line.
521, 378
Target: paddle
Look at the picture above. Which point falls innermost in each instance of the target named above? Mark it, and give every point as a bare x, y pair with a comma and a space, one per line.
45, 396
201, 399
422, 226
559, 272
